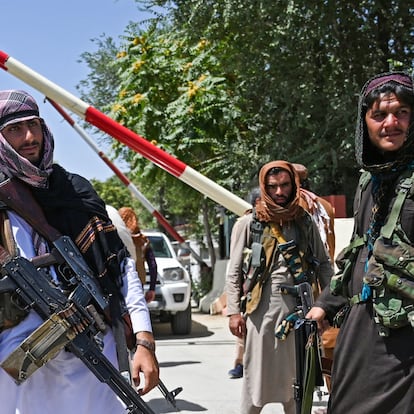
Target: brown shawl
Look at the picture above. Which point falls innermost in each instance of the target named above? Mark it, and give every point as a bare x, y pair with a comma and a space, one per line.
266, 209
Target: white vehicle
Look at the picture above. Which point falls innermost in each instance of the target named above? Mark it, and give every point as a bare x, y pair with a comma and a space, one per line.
173, 289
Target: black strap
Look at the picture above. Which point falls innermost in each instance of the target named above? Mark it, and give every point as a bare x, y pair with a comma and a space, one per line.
256, 229
404, 188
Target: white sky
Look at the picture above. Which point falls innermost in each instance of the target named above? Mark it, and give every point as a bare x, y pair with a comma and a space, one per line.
49, 36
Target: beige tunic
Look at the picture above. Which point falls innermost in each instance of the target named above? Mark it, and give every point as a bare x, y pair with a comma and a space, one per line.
269, 363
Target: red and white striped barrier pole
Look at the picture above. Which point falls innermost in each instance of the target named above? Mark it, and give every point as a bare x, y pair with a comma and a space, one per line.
134, 141
124, 179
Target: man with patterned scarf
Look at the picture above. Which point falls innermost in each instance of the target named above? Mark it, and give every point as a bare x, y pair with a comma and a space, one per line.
269, 363
373, 370
64, 384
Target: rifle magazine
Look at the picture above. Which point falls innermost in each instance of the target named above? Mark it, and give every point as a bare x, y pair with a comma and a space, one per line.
41, 346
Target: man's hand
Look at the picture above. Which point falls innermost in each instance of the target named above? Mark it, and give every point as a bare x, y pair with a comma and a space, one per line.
149, 296
318, 314
237, 325
146, 362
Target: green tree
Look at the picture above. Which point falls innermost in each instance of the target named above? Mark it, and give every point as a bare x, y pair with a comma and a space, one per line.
228, 85
116, 194
298, 66
176, 95
100, 86
183, 106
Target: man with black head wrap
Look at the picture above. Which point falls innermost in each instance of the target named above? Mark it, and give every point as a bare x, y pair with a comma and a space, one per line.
373, 370
64, 384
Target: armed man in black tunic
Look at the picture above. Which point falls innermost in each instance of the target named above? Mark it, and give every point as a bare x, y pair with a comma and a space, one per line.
373, 369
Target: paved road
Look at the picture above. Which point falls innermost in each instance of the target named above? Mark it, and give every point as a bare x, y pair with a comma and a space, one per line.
199, 363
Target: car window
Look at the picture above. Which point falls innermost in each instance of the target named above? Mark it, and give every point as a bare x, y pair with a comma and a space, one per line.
159, 247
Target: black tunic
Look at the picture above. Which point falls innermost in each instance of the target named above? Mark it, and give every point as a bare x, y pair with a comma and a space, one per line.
372, 374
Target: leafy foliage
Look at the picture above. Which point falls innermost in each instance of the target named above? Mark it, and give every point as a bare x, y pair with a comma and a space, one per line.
228, 85
297, 71
117, 195
178, 96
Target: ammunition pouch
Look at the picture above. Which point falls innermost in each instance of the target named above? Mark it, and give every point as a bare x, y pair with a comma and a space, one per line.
11, 311
41, 346
253, 263
345, 263
390, 274
292, 256
395, 254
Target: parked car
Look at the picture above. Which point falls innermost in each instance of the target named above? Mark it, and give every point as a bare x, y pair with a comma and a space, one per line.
173, 290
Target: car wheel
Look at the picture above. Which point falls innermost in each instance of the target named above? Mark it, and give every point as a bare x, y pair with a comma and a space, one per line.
165, 317
181, 322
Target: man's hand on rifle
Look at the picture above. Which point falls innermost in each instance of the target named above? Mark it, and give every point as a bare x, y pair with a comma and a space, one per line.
145, 361
237, 325
318, 314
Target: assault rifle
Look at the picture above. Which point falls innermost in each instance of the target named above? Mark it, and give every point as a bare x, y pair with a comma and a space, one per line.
72, 322
307, 350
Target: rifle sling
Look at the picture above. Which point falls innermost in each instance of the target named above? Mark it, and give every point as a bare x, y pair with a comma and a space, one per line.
309, 378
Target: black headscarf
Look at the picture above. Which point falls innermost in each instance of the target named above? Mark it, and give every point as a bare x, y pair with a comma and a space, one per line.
367, 155
72, 206
385, 168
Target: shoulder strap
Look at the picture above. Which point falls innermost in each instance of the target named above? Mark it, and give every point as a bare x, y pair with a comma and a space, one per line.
277, 232
256, 229
364, 180
404, 189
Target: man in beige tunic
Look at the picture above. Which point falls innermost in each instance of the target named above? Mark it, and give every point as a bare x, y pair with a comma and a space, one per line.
269, 363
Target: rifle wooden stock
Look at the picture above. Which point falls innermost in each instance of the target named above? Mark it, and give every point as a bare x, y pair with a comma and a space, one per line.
326, 365
18, 197
48, 259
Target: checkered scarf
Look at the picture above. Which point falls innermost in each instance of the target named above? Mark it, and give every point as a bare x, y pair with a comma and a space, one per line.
17, 106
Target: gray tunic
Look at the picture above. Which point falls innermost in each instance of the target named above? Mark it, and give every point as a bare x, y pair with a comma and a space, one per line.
269, 363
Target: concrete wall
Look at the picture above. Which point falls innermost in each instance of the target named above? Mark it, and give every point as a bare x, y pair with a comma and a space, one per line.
343, 233
219, 281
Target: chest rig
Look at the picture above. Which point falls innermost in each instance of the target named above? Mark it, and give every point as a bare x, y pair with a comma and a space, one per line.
267, 240
389, 271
